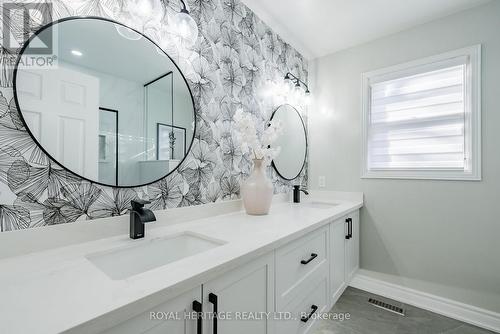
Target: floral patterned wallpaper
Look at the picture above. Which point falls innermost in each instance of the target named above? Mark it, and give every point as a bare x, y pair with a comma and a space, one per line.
231, 66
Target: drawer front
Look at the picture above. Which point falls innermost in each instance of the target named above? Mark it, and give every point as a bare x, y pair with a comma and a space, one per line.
297, 262
315, 299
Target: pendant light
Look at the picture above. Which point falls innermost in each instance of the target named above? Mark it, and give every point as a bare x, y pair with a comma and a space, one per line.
185, 26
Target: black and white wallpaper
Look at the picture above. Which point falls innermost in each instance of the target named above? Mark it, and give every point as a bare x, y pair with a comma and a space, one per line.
228, 68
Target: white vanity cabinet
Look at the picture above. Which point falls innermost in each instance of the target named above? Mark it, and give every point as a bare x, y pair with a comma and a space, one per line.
165, 318
274, 274
303, 279
241, 295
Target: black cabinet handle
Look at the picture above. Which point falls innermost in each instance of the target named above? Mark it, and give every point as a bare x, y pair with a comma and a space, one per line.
348, 222
212, 298
314, 308
313, 256
350, 228
198, 310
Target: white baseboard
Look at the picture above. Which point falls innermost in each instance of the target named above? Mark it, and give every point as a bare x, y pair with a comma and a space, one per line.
447, 307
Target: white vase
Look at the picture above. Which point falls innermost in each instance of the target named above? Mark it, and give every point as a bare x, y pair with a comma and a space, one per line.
257, 190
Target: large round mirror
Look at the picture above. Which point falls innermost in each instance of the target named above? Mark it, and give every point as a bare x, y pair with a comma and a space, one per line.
105, 102
293, 142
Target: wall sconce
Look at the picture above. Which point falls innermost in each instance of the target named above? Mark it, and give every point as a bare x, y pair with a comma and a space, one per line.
298, 89
185, 26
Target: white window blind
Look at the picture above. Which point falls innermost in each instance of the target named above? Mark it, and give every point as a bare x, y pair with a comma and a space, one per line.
422, 119
418, 121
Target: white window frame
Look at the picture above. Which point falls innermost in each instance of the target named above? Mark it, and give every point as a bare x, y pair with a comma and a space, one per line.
472, 116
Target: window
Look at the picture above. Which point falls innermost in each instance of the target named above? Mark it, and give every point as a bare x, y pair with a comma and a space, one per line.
422, 120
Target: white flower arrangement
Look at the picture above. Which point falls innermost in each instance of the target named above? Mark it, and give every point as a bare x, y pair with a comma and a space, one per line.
258, 144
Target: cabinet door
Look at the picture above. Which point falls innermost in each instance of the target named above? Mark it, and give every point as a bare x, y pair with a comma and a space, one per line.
246, 291
165, 318
353, 246
338, 232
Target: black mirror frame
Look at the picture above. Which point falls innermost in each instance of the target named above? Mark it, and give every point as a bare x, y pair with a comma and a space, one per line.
71, 18
307, 145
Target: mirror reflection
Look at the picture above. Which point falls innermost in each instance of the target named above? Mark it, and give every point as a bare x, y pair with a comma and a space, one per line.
114, 109
293, 142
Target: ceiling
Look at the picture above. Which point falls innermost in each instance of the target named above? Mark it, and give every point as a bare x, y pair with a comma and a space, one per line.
104, 49
320, 27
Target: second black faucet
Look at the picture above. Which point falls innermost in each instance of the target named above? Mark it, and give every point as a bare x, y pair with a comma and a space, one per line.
296, 193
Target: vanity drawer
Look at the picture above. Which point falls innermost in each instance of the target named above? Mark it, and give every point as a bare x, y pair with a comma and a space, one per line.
312, 302
298, 262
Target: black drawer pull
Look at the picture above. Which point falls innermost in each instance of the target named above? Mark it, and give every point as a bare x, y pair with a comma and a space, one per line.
313, 256
350, 228
212, 298
314, 308
198, 310
348, 221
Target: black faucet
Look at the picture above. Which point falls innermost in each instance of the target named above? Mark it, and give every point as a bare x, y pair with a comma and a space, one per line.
296, 193
138, 217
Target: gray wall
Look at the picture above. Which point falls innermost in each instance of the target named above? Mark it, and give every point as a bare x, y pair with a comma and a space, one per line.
442, 237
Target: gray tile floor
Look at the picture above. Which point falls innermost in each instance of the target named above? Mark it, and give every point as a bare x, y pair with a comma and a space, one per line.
368, 319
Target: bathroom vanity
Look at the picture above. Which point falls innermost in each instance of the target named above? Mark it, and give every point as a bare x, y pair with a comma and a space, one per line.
130, 124
295, 262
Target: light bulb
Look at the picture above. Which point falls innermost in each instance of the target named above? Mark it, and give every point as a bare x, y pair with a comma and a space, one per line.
144, 9
287, 88
288, 80
307, 98
297, 89
298, 93
290, 86
185, 27
284, 89
139, 14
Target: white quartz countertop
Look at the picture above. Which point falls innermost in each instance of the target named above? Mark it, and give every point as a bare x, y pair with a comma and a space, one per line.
55, 290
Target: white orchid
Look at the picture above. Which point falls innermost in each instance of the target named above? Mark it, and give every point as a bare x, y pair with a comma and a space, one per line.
247, 135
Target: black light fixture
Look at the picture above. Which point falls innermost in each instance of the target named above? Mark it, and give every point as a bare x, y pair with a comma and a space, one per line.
299, 87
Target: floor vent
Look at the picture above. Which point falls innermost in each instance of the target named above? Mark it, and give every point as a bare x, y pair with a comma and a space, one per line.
387, 307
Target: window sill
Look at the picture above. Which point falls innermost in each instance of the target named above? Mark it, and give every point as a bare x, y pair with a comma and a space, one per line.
422, 175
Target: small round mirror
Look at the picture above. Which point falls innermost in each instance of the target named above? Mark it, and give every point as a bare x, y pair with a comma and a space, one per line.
293, 142
110, 106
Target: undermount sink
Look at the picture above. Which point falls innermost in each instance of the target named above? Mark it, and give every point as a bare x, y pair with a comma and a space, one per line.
124, 262
321, 205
